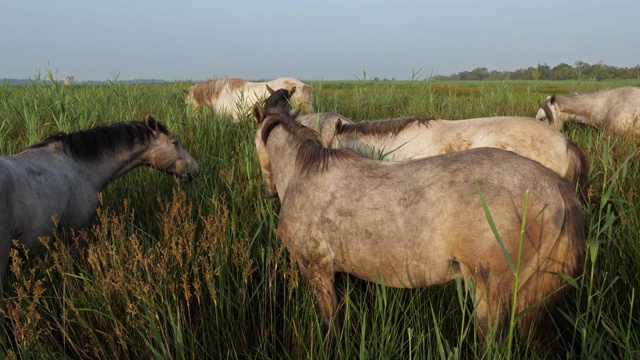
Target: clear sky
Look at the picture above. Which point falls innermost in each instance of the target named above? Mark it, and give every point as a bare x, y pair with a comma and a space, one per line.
310, 40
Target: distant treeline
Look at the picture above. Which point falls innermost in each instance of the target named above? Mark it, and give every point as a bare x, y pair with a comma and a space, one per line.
562, 71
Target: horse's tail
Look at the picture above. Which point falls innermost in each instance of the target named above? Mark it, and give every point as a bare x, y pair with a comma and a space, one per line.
578, 170
547, 284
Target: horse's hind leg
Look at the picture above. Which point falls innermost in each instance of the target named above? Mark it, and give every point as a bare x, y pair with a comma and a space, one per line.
491, 309
321, 279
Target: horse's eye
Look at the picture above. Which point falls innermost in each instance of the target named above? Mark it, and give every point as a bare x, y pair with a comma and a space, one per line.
175, 142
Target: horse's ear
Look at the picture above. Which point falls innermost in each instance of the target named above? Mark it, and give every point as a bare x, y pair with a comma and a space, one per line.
553, 99
295, 112
339, 126
258, 113
293, 89
270, 90
152, 124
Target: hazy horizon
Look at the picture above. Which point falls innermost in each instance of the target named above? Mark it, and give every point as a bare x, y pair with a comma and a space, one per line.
326, 40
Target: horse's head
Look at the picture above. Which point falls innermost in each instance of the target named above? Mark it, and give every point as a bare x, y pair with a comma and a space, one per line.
165, 153
548, 112
187, 95
278, 99
261, 115
304, 97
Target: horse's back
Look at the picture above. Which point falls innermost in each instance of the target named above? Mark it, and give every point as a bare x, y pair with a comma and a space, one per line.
525, 136
431, 208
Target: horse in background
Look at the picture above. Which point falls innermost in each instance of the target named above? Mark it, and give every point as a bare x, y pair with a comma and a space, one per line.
420, 223
56, 182
234, 96
616, 110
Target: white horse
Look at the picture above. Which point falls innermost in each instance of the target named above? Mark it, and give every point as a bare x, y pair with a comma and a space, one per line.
613, 109
57, 181
234, 96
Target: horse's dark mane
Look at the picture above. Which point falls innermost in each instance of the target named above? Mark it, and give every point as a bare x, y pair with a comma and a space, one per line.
381, 127
91, 144
311, 155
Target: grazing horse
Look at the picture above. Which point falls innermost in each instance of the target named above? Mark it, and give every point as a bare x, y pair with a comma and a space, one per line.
421, 222
57, 181
415, 137
233, 96
616, 110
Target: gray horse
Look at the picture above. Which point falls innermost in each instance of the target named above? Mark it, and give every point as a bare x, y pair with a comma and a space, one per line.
58, 180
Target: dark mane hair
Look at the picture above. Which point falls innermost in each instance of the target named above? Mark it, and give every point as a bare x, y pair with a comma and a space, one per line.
381, 127
311, 155
91, 144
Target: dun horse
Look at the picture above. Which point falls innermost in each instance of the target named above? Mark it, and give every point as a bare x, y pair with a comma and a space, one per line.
60, 178
421, 222
234, 97
616, 110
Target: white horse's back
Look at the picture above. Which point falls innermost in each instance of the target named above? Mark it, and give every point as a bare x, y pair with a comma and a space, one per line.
414, 138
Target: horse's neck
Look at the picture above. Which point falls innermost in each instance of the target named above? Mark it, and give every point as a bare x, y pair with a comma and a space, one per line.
586, 108
282, 148
400, 146
110, 166
369, 146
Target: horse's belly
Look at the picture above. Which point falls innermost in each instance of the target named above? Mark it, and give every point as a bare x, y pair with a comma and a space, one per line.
37, 216
397, 267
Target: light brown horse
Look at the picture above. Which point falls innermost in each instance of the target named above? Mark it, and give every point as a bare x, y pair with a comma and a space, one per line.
234, 96
421, 222
616, 110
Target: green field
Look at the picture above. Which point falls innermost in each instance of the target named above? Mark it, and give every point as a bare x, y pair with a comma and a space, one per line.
195, 270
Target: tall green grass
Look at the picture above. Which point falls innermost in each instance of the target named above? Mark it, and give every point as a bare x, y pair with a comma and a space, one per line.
195, 270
